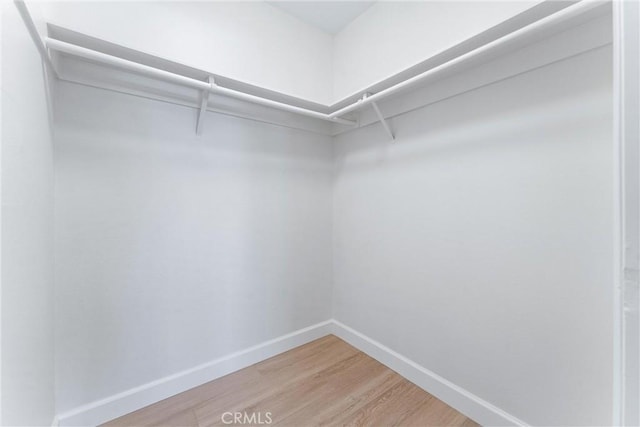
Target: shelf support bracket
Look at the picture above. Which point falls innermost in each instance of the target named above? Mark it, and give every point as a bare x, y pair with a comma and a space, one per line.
204, 101
383, 121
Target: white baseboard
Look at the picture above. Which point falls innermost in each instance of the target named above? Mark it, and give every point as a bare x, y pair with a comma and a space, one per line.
460, 399
133, 399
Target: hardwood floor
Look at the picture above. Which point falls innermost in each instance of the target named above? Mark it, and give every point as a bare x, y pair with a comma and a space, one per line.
326, 382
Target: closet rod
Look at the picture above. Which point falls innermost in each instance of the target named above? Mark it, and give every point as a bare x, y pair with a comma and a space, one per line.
565, 14
35, 36
556, 18
104, 58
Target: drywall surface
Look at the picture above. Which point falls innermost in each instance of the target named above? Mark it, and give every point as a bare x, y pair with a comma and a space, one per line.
392, 36
27, 231
258, 43
173, 250
479, 245
249, 41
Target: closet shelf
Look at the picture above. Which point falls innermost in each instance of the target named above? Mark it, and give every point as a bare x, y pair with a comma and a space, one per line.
206, 88
541, 26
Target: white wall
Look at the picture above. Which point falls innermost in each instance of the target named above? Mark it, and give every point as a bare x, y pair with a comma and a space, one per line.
479, 245
249, 41
172, 249
27, 221
392, 36
259, 44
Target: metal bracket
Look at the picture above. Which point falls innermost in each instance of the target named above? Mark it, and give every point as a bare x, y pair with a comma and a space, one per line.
204, 101
381, 118
383, 121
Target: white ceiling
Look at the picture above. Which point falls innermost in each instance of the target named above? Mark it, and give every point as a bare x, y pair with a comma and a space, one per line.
329, 16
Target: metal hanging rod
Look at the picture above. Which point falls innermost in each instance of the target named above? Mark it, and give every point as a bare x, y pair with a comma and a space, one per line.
335, 116
558, 17
35, 36
104, 58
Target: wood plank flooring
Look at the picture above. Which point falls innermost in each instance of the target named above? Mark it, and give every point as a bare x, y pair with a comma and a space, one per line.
324, 383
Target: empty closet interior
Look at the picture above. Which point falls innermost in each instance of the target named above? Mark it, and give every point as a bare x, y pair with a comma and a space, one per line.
191, 188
